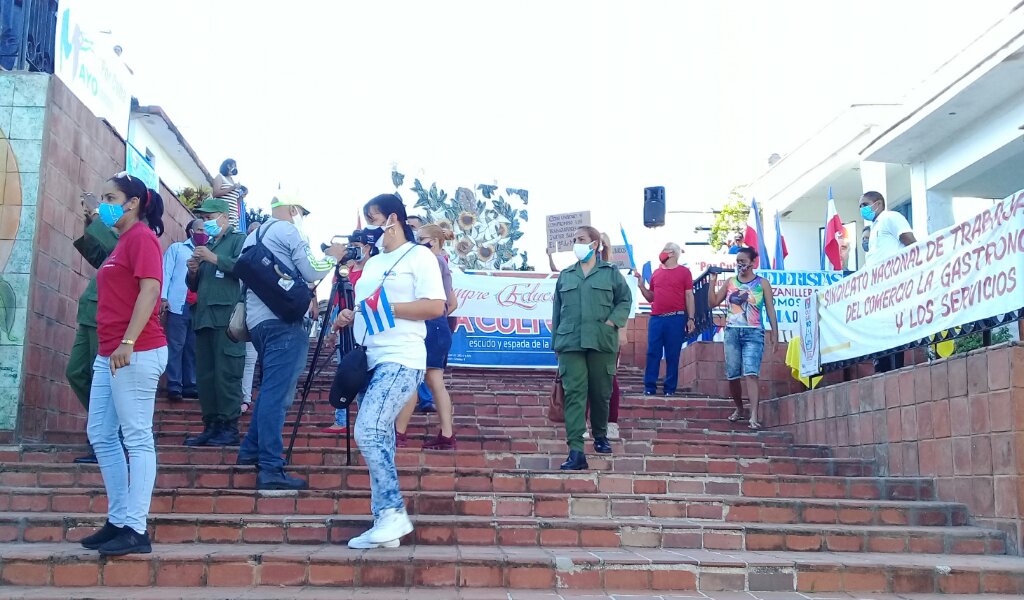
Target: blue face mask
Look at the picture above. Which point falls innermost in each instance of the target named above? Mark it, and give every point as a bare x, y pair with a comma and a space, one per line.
110, 214
212, 227
868, 213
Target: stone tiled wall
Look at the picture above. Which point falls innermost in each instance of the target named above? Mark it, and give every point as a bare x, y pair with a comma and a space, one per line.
77, 152
959, 420
22, 101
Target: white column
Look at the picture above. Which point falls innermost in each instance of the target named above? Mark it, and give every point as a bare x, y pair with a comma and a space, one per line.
873, 177
933, 209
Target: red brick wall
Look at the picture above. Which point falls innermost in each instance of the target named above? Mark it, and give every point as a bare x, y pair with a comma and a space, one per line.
79, 153
959, 420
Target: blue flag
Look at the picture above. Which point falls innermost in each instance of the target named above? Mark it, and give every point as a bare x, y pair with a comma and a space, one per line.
647, 272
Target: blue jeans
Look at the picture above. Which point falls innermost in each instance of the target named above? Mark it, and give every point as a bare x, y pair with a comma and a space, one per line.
126, 400
181, 352
744, 347
389, 389
664, 337
282, 349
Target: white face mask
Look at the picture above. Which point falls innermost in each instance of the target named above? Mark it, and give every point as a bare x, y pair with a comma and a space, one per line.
583, 251
380, 240
297, 220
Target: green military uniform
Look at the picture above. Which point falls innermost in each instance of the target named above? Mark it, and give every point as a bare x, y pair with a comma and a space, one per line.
586, 345
96, 243
219, 361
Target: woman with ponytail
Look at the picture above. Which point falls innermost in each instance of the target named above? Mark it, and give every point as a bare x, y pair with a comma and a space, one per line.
132, 357
399, 291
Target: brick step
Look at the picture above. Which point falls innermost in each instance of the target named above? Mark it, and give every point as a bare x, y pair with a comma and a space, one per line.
214, 565
311, 436
316, 456
444, 530
467, 479
524, 504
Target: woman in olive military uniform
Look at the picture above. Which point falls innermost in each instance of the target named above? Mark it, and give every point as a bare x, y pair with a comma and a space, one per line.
591, 304
219, 361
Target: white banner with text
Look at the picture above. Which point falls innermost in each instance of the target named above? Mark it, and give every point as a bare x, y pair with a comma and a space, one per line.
959, 275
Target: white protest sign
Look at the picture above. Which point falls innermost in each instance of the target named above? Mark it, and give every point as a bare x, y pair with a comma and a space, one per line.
810, 341
562, 229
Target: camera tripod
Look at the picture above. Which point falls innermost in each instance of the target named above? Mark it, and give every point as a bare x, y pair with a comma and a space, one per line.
342, 297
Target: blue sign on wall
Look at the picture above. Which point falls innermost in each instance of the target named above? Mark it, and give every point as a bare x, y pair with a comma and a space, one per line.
136, 165
486, 342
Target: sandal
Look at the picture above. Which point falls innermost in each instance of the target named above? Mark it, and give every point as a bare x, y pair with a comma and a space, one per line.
246, 406
754, 425
737, 415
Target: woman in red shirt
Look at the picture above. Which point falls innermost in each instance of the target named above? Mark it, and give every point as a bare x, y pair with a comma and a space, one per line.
132, 357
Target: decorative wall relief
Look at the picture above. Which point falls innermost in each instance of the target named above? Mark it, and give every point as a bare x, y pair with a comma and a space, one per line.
486, 227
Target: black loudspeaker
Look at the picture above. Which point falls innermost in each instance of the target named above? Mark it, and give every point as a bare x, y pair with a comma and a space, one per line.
654, 206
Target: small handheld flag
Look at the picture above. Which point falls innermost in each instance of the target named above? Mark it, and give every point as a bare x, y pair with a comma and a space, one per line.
377, 314
629, 248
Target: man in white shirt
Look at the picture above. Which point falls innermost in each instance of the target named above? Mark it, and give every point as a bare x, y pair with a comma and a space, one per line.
890, 232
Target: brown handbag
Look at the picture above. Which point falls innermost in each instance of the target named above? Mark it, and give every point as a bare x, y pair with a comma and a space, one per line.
556, 406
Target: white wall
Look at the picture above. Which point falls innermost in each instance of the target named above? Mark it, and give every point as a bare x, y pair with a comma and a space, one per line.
166, 169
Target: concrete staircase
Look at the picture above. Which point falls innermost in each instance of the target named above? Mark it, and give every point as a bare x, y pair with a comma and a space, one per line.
688, 502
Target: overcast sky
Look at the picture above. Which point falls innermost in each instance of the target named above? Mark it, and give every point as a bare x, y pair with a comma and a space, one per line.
583, 103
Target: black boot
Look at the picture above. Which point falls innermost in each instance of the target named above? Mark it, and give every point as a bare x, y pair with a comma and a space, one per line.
601, 445
279, 480
203, 439
577, 461
225, 434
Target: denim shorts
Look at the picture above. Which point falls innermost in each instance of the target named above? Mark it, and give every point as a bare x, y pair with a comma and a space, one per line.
439, 343
744, 347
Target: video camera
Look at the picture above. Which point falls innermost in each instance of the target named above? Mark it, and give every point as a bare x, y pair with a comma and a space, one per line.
368, 236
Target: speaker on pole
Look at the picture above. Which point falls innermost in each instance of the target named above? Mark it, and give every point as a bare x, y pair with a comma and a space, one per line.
654, 206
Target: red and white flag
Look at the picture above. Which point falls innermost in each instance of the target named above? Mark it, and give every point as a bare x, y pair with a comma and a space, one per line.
754, 237
835, 234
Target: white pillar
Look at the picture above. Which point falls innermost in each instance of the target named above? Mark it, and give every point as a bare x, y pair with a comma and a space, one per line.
933, 209
873, 177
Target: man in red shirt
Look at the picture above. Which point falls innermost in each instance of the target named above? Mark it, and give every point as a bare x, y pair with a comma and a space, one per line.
671, 298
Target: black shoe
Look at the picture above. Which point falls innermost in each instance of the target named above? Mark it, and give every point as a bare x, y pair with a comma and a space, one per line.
247, 461
225, 434
601, 446
104, 535
89, 459
577, 461
278, 480
192, 395
174, 396
203, 439
128, 542
426, 407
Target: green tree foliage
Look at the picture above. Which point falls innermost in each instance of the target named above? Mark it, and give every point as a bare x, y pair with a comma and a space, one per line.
975, 341
192, 197
731, 219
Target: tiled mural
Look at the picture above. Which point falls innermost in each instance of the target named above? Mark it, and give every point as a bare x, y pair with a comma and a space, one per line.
22, 112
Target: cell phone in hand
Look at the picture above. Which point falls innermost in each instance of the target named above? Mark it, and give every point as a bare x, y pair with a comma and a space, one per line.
90, 201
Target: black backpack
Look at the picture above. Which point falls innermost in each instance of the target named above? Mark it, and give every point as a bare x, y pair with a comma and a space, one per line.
279, 286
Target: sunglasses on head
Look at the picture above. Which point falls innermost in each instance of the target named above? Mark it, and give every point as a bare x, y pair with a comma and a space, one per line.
122, 175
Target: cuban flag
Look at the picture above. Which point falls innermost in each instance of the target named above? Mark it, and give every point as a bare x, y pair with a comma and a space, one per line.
376, 311
834, 236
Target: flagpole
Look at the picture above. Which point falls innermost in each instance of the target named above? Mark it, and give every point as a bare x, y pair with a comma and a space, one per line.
822, 252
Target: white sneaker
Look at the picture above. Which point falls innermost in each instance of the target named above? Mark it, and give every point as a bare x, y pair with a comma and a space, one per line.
586, 434
390, 527
362, 542
613, 431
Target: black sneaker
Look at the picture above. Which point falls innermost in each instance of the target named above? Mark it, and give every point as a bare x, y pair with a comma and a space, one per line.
108, 532
174, 396
89, 459
128, 542
193, 395
279, 480
247, 461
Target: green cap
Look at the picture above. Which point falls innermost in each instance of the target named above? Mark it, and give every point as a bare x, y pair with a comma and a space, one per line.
213, 205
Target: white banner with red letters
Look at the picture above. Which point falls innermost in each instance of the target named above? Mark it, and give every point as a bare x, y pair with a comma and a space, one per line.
483, 295
964, 273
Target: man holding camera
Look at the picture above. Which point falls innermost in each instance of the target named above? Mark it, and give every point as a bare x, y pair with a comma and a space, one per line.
282, 346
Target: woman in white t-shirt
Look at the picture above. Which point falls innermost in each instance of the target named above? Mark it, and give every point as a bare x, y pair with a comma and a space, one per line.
400, 289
